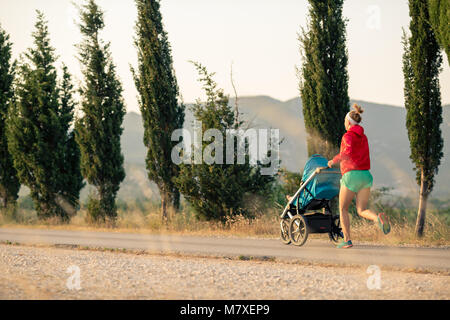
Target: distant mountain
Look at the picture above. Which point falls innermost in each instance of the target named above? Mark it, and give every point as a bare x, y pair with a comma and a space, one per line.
384, 126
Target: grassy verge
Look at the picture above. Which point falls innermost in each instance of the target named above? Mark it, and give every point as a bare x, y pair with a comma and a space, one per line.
437, 232
266, 225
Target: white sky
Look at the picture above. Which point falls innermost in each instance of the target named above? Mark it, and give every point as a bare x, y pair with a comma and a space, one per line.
258, 36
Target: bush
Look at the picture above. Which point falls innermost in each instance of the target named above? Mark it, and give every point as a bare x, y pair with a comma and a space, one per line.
94, 210
9, 213
286, 183
26, 203
217, 191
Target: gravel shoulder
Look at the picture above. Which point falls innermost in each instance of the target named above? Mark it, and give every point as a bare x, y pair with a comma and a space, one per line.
42, 273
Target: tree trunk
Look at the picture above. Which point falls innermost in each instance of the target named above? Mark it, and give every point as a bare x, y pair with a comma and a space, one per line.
420, 224
164, 200
107, 204
3, 199
176, 200
44, 210
66, 206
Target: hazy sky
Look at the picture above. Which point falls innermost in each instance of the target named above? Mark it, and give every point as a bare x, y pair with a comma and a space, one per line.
258, 36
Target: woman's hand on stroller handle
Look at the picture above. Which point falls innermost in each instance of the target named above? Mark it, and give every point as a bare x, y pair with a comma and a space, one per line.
330, 163
318, 170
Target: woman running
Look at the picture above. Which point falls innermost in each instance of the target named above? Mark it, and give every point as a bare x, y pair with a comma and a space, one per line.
356, 178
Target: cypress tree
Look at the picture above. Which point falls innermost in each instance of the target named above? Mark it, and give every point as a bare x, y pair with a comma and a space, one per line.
39, 121
9, 182
219, 191
71, 180
324, 76
440, 21
421, 66
158, 99
99, 130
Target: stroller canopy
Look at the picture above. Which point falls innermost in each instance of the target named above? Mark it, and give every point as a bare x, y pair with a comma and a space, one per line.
324, 186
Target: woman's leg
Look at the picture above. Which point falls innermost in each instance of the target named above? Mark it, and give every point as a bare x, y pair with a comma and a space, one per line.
362, 198
345, 199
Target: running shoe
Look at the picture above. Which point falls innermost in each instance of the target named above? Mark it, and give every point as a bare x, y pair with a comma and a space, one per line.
345, 244
383, 223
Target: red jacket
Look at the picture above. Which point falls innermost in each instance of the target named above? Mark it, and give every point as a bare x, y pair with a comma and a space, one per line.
354, 153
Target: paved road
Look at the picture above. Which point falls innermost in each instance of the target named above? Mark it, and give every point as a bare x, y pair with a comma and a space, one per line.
314, 251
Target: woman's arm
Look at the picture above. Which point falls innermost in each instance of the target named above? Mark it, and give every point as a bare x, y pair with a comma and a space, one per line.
346, 150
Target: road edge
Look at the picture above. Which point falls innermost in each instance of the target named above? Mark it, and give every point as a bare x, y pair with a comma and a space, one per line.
255, 258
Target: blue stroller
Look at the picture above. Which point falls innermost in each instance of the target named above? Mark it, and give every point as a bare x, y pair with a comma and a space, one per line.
318, 187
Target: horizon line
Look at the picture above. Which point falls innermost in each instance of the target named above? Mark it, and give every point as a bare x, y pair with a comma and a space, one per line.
295, 98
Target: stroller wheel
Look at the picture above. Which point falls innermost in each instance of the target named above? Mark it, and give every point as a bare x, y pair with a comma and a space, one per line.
298, 230
284, 234
336, 230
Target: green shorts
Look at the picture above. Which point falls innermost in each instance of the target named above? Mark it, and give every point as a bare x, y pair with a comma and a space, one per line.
357, 180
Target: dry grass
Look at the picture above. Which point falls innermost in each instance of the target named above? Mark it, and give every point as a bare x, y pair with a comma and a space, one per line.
135, 221
437, 231
186, 223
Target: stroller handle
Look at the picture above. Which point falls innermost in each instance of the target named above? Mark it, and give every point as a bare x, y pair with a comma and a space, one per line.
318, 170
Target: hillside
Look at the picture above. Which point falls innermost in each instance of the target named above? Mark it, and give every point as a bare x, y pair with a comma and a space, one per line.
385, 128
384, 125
